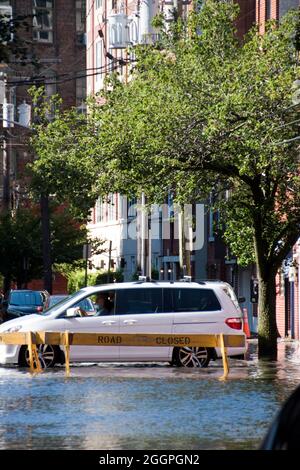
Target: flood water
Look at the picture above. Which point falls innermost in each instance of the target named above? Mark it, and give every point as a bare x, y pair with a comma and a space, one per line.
153, 406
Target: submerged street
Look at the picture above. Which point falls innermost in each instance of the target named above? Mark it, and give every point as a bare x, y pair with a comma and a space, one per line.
153, 406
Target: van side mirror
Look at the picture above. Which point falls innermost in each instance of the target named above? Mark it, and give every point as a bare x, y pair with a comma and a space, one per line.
241, 300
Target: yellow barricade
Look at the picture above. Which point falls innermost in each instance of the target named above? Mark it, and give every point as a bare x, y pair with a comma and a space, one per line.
68, 339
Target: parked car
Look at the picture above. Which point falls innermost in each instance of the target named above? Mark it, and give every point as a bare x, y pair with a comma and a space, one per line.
86, 304
136, 307
23, 302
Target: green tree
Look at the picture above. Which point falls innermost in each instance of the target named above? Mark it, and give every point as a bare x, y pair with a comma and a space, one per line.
12, 44
201, 112
21, 244
64, 163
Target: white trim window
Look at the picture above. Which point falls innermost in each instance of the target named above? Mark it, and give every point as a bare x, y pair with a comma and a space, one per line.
98, 60
43, 20
99, 211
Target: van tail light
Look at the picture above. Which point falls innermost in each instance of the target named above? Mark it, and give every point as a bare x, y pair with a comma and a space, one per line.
39, 309
234, 323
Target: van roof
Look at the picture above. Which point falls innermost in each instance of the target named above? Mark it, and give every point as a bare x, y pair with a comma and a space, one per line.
151, 284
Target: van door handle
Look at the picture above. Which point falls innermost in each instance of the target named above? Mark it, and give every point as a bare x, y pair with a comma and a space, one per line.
108, 322
130, 322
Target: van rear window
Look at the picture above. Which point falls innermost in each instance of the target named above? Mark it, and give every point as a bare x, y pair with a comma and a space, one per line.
195, 300
25, 298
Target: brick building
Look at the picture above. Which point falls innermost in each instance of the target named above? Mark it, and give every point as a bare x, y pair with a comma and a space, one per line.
56, 57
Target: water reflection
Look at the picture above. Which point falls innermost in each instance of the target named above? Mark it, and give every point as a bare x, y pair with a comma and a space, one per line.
146, 407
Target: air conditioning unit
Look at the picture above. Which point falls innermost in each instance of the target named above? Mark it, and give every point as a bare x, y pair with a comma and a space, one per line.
8, 114
81, 38
118, 31
6, 10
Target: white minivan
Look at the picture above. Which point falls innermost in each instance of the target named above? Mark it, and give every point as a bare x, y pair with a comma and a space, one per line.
135, 307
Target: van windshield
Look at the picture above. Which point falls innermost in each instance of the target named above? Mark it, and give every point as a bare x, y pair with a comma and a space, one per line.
57, 307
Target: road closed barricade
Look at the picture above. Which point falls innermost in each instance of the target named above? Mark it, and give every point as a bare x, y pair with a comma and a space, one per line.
68, 339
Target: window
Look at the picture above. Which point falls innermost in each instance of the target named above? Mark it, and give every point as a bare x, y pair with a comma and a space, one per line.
99, 210
132, 207
81, 93
98, 4
50, 85
43, 20
98, 60
50, 90
168, 300
80, 16
170, 204
138, 301
110, 207
268, 9
195, 300
80, 13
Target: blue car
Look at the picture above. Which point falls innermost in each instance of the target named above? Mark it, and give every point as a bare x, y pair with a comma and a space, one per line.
23, 302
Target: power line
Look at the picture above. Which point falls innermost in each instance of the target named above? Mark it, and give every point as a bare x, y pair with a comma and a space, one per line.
61, 78
35, 82
88, 13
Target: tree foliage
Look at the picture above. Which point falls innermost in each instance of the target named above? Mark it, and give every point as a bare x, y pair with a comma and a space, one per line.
201, 112
12, 43
21, 244
64, 164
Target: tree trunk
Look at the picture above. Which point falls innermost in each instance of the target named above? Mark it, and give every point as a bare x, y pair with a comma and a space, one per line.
267, 328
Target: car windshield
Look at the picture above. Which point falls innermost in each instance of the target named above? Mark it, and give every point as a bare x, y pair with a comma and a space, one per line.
55, 299
58, 305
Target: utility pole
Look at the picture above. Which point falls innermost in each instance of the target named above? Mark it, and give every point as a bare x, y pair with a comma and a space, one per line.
150, 253
8, 119
6, 172
8, 122
181, 239
143, 235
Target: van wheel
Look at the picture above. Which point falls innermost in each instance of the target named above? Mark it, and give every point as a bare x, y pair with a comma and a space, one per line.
48, 355
191, 357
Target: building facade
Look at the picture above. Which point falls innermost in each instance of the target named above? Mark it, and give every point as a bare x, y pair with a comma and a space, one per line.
55, 40
111, 27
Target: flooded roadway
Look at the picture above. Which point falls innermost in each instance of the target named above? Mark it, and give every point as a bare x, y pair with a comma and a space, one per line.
151, 406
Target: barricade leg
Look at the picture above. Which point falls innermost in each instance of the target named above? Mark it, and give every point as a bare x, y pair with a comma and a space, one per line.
224, 358
67, 346
34, 361
30, 350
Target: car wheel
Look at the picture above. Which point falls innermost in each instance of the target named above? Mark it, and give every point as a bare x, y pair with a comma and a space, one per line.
48, 356
191, 357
